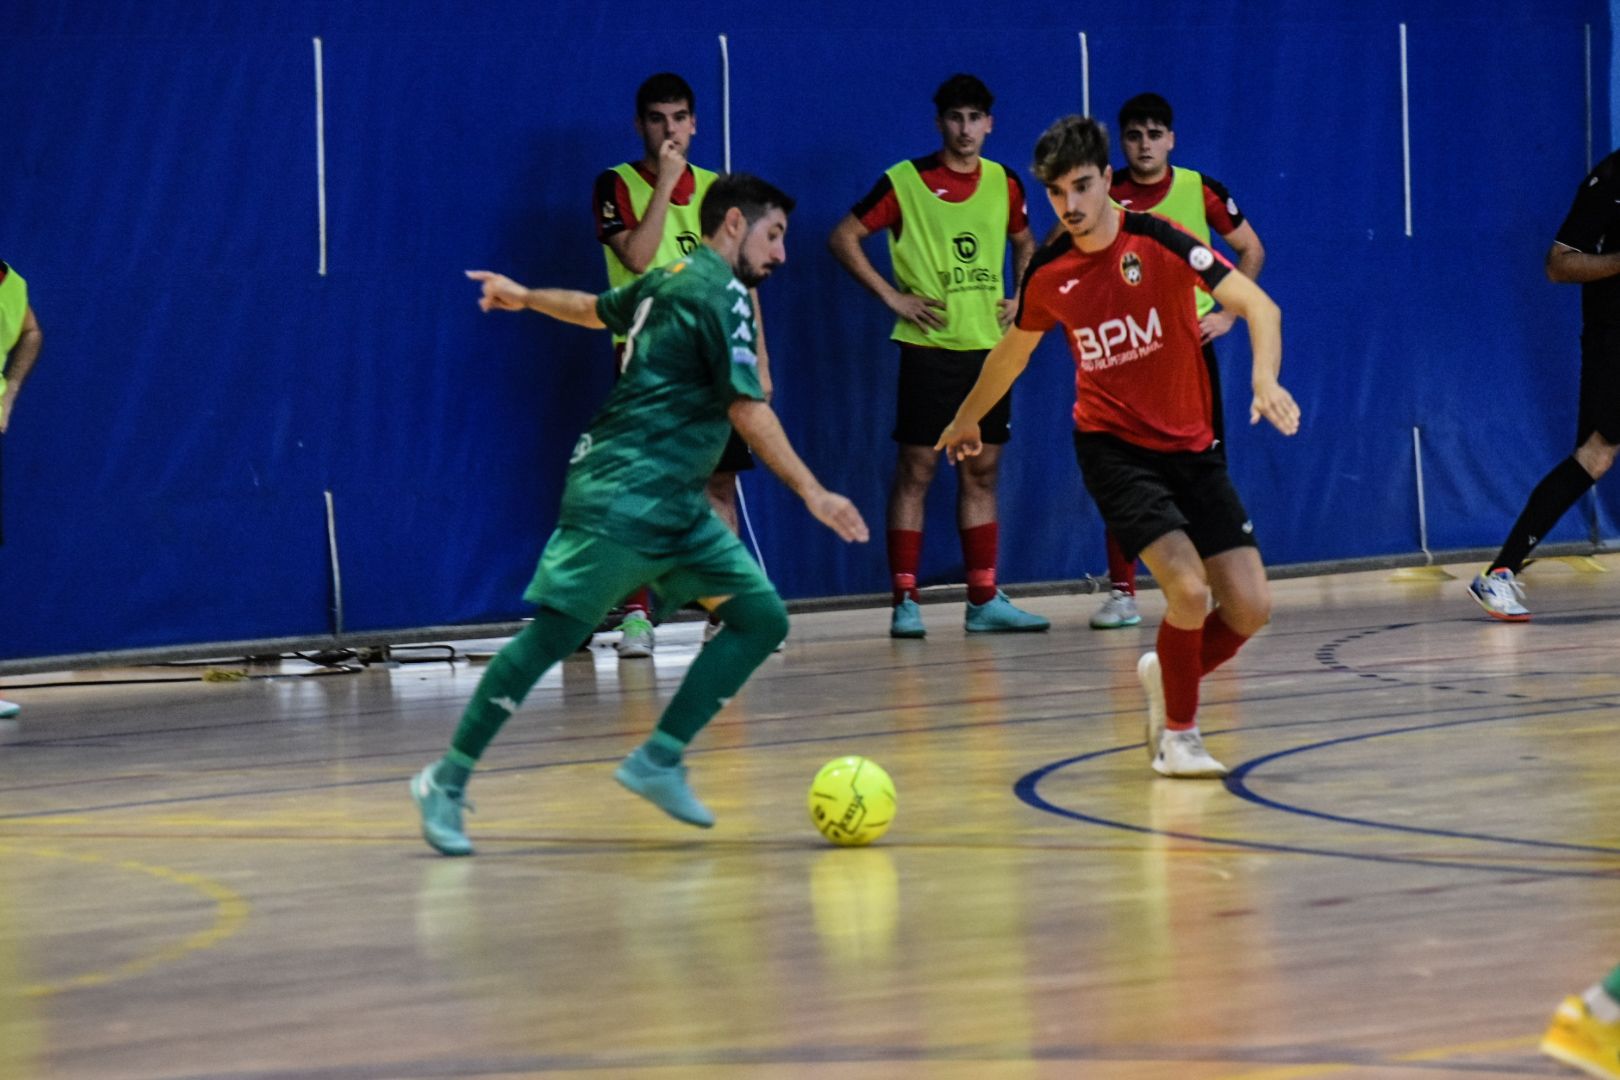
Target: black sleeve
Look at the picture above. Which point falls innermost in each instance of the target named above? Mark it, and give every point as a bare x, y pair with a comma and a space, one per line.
1229, 204
873, 197
1592, 217
1200, 259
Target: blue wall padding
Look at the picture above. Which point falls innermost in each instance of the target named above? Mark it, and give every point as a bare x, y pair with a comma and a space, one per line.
203, 387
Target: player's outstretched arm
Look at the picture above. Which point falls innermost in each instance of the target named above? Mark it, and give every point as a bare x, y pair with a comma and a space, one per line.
1001, 369
1242, 296
501, 293
756, 422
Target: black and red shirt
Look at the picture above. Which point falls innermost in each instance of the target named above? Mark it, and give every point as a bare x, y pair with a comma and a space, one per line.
614, 214
880, 209
1220, 209
1593, 226
1139, 364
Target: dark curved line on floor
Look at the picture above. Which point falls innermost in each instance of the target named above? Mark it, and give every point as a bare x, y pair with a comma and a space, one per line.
1025, 790
1237, 784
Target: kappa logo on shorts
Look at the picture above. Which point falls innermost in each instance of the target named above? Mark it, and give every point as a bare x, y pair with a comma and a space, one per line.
581, 448
1201, 258
1130, 268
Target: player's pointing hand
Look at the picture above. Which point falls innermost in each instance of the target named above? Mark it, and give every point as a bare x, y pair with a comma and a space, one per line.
500, 292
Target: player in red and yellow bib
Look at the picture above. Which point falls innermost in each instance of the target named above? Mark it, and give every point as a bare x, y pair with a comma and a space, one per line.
950, 217
646, 217
1118, 284
1201, 205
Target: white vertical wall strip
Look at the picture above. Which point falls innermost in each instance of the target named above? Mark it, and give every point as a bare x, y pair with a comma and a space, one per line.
1423, 507
1588, 97
320, 153
1406, 136
337, 570
743, 515
725, 101
1085, 74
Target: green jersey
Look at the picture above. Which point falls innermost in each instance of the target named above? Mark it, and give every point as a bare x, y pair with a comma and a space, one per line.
638, 473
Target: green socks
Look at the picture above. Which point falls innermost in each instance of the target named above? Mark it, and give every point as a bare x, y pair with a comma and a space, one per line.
754, 625
551, 637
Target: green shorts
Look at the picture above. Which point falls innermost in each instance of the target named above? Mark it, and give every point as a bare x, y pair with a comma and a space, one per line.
583, 574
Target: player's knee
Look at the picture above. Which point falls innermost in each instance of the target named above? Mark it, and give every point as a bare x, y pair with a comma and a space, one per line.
1248, 617
1186, 592
761, 617
914, 475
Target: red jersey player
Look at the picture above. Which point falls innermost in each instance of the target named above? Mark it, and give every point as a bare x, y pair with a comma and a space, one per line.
1118, 283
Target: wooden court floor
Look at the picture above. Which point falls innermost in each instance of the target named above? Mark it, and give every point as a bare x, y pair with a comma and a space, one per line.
1417, 855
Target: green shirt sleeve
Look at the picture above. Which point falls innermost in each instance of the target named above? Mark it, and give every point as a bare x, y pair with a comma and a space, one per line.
732, 340
617, 307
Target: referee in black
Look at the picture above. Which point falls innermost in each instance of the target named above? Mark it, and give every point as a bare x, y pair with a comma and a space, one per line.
1586, 253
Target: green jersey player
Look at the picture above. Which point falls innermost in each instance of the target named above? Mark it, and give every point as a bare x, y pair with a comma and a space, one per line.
634, 509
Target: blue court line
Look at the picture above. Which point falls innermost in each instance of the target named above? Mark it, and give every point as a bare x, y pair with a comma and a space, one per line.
1236, 784
1025, 790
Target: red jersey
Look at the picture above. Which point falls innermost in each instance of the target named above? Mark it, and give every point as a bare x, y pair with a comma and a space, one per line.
614, 214
1220, 209
1139, 364
880, 209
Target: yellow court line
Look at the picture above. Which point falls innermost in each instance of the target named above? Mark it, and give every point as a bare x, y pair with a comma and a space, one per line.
231, 911
1439, 1053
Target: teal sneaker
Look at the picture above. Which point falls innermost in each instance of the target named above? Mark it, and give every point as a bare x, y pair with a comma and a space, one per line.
998, 616
664, 786
441, 814
906, 622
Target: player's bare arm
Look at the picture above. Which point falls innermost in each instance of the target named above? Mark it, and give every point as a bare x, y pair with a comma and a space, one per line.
1249, 302
1023, 250
1567, 266
845, 244
756, 422
1245, 244
1001, 369
19, 363
501, 293
636, 247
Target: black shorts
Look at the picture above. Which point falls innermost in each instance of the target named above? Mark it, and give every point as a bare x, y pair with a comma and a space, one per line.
737, 457
933, 384
1600, 384
1146, 494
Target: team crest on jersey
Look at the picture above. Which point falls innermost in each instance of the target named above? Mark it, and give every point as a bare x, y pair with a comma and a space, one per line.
1130, 268
966, 245
688, 242
1201, 258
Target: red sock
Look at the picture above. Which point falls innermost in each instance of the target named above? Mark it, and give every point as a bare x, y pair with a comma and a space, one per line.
1221, 642
1121, 571
640, 600
1179, 663
905, 555
979, 555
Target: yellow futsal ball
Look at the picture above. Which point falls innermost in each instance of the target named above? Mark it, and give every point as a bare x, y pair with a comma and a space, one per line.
852, 801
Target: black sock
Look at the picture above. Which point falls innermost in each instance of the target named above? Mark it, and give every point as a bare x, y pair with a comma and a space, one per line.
1552, 498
